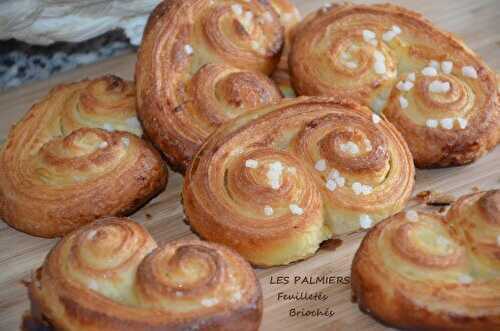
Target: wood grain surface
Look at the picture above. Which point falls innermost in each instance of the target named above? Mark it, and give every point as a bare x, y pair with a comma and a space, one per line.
474, 21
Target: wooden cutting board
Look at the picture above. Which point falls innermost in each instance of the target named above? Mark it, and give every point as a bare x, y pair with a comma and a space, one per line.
474, 21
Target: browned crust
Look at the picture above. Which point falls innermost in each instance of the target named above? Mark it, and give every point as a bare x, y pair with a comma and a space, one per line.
246, 318
160, 68
52, 209
80, 312
449, 147
290, 18
49, 221
215, 180
380, 295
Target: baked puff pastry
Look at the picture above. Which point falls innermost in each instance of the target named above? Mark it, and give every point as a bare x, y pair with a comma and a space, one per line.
386, 57
111, 275
276, 182
419, 271
76, 156
201, 63
289, 17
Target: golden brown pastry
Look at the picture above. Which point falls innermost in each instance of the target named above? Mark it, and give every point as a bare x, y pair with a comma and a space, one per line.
419, 271
276, 182
186, 74
110, 275
289, 18
75, 157
386, 57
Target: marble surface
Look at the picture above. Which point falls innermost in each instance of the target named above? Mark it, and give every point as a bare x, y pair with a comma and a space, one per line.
21, 62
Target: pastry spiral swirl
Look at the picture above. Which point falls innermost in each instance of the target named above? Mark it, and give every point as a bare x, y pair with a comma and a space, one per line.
424, 271
385, 57
290, 18
110, 275
318, 167
200, 64
76, 157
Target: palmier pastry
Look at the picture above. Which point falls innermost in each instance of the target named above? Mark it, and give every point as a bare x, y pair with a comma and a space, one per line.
289, 17
200, 64
276, 182
110, 275
76, 157
420, 271
386, 57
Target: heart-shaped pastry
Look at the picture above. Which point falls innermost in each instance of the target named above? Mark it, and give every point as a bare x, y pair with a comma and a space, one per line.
420, 271
77, 156
276, 182
425, 81
111, 275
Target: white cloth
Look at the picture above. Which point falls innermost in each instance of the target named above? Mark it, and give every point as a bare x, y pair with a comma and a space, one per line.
44, 22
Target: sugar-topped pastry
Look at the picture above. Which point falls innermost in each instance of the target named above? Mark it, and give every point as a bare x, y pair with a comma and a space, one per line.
202, 63
112, 276
384, 56
349, 172
419, 270
76, 156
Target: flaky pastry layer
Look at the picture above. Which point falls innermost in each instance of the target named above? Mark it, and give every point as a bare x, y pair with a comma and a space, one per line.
76, 156
437, 92
111, 275
419, 271
275, 183
200, 64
